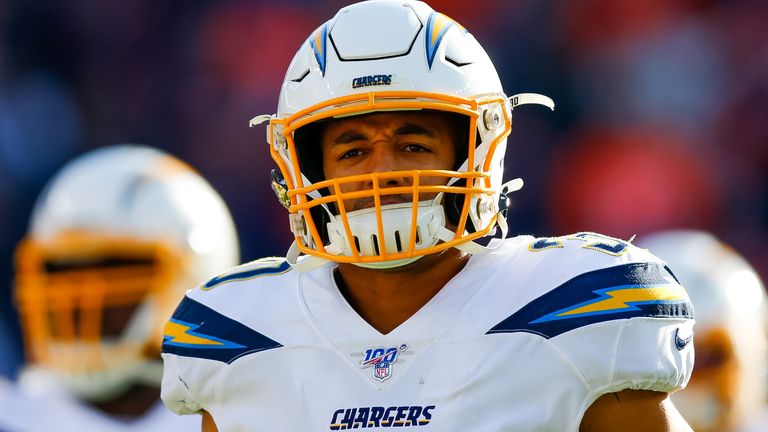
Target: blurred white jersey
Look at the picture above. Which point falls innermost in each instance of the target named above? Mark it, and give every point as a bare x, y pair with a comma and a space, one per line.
758, 424
525, 337
44, 407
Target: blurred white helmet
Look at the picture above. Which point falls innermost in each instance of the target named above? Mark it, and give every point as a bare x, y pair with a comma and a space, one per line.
116, 238
728, 385
392, 55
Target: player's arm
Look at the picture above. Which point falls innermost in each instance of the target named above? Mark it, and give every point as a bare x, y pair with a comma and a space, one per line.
633, 411
208, 424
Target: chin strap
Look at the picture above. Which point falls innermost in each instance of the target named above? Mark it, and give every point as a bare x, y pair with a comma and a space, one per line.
303, 263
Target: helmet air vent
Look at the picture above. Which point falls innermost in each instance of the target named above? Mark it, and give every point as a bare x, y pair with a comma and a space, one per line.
301, 77
375, 244
357, 243
457, 63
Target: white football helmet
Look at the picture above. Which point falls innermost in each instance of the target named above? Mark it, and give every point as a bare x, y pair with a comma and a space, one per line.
115, 239
391, 55
728, 385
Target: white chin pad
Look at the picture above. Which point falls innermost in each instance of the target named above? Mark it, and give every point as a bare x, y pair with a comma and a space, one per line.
396, 220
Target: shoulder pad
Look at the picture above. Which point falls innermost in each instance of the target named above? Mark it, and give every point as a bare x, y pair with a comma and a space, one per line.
583, 240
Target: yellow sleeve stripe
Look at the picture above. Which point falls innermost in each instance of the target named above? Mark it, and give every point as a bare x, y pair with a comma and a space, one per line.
618, 299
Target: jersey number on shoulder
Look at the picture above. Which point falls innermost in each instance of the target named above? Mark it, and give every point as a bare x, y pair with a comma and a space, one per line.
594, 241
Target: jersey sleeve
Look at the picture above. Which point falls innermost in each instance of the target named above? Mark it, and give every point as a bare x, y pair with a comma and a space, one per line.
617, 315
190, 371
199, 343
630, 328
204, 336
637, 353
177, 394
653, 355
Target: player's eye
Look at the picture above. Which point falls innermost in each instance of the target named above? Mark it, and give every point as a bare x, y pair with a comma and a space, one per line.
351, 153
415, 148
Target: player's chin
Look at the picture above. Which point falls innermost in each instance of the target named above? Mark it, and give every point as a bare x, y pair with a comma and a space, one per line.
422, 264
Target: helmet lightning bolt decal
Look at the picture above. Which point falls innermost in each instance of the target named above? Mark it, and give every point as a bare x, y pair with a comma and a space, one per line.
182, 334
319, 46
437, 26
620, 299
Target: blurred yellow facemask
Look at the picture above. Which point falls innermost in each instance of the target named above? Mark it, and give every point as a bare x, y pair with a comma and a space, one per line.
710, 401
90, 303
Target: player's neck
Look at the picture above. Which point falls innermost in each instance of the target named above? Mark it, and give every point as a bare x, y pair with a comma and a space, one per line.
387, 298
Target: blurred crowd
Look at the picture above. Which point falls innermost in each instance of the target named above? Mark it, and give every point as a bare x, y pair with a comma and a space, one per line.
660, 120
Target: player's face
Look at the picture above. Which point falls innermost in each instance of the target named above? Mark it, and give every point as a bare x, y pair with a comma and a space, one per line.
386, 142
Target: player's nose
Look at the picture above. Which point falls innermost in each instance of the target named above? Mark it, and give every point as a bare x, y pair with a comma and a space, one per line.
384, 161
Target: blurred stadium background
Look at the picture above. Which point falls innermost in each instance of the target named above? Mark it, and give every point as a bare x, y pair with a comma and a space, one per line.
661, 120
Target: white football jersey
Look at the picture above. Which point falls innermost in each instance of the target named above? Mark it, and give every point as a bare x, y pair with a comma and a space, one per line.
37, 404
757, 424
524, 338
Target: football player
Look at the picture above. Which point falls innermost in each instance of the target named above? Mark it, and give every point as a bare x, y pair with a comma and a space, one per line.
728, 389
396, 305
115, 239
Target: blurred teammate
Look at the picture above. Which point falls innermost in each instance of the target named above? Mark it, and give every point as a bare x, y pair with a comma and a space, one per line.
114, 240
728, 389
390, 135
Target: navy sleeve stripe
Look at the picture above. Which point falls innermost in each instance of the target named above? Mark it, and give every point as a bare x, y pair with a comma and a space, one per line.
269, 269
196, 330
625, 291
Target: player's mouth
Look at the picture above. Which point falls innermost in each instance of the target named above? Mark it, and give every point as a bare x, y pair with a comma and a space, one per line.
369, 202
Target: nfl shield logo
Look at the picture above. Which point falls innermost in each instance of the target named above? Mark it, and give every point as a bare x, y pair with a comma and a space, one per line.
381, 370
381, 360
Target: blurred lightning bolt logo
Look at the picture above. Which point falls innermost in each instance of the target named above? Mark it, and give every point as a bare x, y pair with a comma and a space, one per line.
620, 299
183, 334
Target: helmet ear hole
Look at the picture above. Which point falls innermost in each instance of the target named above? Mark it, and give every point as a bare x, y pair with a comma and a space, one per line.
310, 150
453, 204
321, 219
307, 140
460, 132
